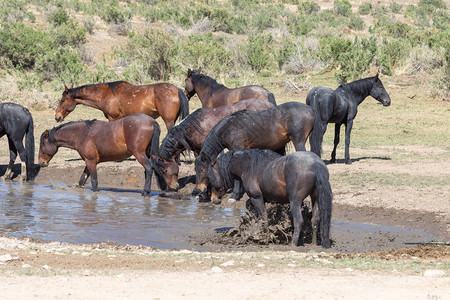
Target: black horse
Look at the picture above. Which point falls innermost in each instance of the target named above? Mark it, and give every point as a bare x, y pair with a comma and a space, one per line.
190, 135
340, 107
269, 129
16, 122
269, 177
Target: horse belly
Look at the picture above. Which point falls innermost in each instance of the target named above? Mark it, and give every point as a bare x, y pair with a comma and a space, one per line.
273, 184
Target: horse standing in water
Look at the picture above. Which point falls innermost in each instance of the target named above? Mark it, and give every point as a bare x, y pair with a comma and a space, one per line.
99, 141
119, 99
213, 94
190, 135
269, 129
269, 177
340, 106
17, 122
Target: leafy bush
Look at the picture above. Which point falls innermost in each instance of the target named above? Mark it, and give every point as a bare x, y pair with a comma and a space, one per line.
343, 8
395, 7
390, 53
308, 7
61, 63
12, 11
68, 34
58, 16
356, 23
259, 51
365, 8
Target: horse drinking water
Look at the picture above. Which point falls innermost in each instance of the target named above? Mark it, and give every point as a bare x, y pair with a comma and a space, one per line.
119, 99
190, 135
268, 129
99, 141
213, 94
17, 122
340, 107
269, 177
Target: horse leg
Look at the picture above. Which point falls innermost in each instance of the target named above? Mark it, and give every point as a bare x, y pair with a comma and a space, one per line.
238, 192
84, 177
91, 166
337, 132
258, 204
148, 167
12, 159
315, 220
23, 157
348, 129
296, 210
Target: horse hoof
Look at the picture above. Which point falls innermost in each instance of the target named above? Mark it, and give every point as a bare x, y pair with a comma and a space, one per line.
332, 161
348, 162
145, 194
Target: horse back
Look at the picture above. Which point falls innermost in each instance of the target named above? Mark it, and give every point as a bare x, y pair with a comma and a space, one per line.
14, 119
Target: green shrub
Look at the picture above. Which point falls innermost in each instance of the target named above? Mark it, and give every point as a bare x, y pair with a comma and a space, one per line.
286, 50
365, 8
395, 7
299, 25
61, 63
259, 51
308, 7
390, 53
343, 8
356, 23
58, 16
12, 11
68, 33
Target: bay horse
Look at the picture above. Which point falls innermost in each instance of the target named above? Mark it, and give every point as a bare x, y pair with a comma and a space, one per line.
269, 177
190, 134
100, 141
119, 99
340, 106
269, 129
16, 122
213, 94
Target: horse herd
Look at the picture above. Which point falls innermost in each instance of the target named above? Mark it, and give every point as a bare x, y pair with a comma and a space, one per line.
246, 121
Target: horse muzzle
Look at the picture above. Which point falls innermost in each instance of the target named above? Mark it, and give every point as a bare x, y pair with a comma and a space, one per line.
43, 163
59, 118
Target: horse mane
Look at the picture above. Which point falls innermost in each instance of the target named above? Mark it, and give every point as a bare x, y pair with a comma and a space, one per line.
205, 81
359, 87
212, 146
261, 156
223, 169
112, 85
180, 133
51, 132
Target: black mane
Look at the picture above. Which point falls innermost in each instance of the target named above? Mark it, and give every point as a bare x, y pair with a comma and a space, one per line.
112, 85
359, 87
51, 132
180, 134
205, 81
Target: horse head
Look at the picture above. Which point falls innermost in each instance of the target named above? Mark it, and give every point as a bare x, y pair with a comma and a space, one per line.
166, 172
66, 105
379, 92
218, 188
189, 89
47, 149
201, 177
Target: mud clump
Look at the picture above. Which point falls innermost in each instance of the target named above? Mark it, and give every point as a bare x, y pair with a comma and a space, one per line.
277, 229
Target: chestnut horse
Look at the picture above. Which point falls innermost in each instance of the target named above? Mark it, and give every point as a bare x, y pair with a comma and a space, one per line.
190, 134
119, 99
269, 177
213, 94
99, 141
340, 106
269, 129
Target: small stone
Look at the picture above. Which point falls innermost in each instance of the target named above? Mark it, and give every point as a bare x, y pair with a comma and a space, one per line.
261, 265
46, 267
349, 269
228, 263
216, 270
85, 254
291, 265
26, 266
5, 257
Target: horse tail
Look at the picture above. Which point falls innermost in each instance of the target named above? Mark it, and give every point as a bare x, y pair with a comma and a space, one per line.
29, 149
325, 198
184, 105
271, 99
315, 137
153, 151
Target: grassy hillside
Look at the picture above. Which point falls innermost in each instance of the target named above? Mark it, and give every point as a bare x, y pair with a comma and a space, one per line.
287, 45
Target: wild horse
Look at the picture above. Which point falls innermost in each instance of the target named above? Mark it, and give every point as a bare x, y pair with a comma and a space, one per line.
99, 141
119, 99
213, 94
16, 122
340, 107
269, 129
269, 177
190, 134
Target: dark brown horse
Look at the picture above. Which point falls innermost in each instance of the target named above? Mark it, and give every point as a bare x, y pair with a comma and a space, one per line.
213, 94
269, 129
99, 141
190, 134
119, 99
269, 177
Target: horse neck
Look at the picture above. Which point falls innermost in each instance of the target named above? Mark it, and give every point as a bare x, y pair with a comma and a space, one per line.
171, 147
359, 90
68, 136
89, 96
205, 89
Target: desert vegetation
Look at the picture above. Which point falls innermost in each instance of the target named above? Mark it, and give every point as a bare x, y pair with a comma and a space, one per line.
44, 44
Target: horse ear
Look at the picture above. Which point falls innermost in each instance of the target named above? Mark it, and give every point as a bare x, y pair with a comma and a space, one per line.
200, 69
65, 88
46, 134
376, 77
189, 73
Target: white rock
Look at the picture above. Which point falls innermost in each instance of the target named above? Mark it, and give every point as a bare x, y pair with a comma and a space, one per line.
349, 269
261, 265
291, 265
228, 263
46, 267
216, 270
26, 266
6, 257
434, 273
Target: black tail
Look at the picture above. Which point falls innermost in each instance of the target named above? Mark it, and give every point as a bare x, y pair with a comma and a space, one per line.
315, 137
271, 99
29, 149
153, 147
184, 105
325, 198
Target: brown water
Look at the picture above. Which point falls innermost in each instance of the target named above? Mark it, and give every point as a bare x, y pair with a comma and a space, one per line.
117, 216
